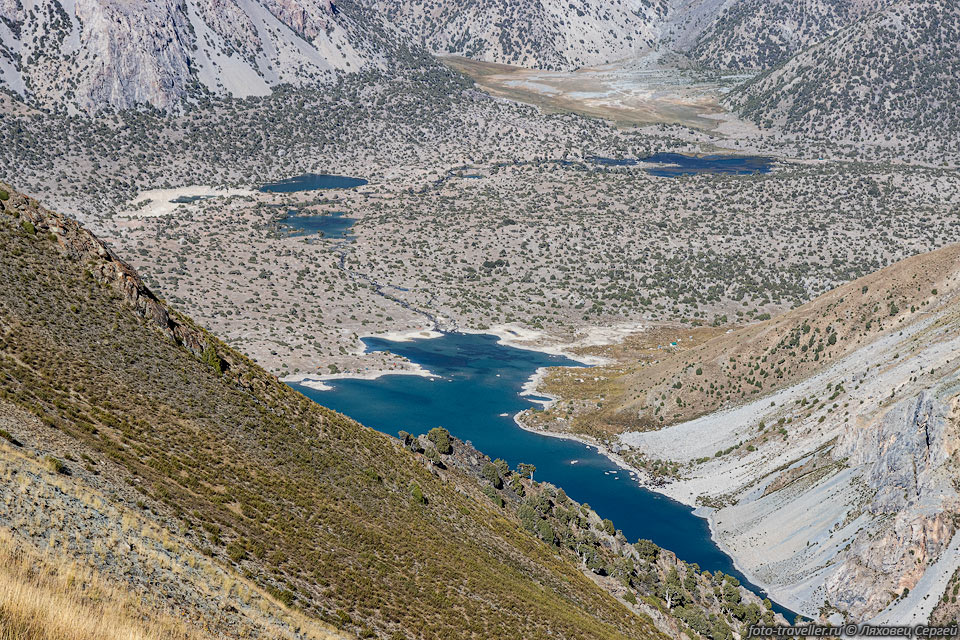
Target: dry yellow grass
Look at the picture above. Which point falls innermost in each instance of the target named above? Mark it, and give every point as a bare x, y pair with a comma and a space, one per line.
44, 597
53, 593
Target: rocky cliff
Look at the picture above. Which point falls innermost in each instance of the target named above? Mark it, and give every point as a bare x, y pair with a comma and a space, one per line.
103, 266
840, 490
95, 54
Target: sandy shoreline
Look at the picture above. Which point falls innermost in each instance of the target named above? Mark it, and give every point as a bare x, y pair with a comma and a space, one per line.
517, 337
159, 200
405, 336
530, 388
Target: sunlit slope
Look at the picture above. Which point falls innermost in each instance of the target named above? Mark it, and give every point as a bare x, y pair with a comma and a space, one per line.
306, 504
739, 365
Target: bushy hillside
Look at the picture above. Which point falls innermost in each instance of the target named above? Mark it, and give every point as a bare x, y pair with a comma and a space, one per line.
759, 34
682, 383
545, 34
893, 74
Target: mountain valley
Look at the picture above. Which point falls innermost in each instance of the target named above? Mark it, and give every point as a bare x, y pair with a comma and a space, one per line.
738, 221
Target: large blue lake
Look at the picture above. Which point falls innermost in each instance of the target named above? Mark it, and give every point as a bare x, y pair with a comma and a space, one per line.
312, 182
475, 398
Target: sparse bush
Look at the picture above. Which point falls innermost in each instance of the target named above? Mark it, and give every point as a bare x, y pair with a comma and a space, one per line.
416, 493
495, 497
211, 359
492, 474
647, 549
235, 552
56, 466
440, 437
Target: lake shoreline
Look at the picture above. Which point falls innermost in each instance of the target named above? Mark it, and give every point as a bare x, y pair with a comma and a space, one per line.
318, 380
706, 513
484, 375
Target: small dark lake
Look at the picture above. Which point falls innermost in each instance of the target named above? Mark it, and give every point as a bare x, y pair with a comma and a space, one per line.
188, 199
312, 182
476, 397
679, 164
334, 225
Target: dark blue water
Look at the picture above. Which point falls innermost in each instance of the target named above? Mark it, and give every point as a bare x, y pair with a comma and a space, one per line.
479, 381
312, 182
686, 165
334, 225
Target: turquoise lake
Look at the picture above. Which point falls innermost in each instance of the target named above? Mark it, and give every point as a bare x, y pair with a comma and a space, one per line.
334, 225
475, 398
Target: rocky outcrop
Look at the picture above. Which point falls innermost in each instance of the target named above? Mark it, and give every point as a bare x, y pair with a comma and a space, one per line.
105, 267
904, 461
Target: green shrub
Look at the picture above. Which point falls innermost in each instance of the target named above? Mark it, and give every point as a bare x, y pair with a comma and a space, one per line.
545, 531
491, 473
491, 493
4, 195
28, 227
56, 466
6, 435
236, 552
417, 494
285, 596
440, 437
211, 359
647, 549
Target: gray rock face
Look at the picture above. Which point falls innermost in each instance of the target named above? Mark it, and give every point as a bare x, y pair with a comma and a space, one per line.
903, 459
904, 463
92, 54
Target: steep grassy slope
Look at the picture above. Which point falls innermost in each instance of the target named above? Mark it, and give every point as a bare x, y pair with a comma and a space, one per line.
312, 507
893, 73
